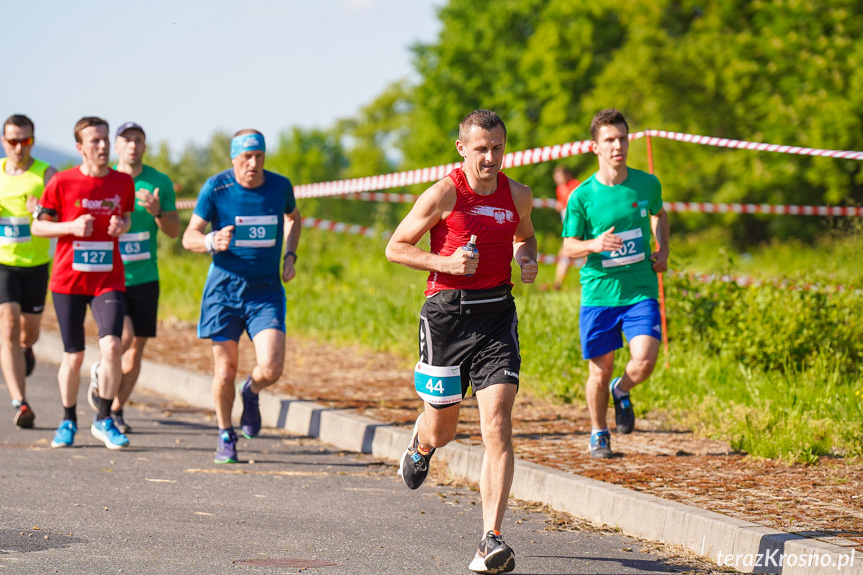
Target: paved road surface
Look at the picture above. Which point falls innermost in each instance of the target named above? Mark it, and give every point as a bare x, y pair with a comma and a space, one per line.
162, 506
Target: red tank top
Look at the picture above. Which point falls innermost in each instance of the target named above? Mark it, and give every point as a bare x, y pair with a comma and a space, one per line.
492, 219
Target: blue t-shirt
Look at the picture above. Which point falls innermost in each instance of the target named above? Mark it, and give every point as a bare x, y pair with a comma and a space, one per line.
257, 215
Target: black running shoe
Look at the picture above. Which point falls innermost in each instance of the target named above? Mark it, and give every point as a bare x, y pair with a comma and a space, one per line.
414, 466
121, 423
493, 556
623, 414
24, 417
29, 360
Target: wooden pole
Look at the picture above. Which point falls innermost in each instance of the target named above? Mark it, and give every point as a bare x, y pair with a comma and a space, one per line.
659, 276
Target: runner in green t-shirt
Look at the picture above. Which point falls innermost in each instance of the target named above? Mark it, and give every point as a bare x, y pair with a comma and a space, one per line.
154, 210
609, 219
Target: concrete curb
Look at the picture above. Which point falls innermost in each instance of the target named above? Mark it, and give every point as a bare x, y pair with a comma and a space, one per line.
745, 546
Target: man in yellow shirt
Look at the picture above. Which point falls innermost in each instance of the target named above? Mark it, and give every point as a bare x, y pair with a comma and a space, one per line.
24, 260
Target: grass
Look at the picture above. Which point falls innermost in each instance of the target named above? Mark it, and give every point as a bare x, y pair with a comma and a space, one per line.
772, 371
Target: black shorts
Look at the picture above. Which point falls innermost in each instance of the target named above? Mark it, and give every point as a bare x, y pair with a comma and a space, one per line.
476, 330
25, 286
142, 307
72, 308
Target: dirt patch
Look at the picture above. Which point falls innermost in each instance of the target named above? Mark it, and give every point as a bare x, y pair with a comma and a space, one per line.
823, 501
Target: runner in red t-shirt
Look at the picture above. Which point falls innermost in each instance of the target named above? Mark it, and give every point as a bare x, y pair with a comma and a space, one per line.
468, 335
566, 184
87, 208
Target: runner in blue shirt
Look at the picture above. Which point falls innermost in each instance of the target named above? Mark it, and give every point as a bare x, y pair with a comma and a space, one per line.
252, 213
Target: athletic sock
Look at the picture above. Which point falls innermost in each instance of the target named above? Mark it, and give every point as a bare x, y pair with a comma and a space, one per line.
595, 431
70, 413
104, 408
422, 450
616, 392
496, 532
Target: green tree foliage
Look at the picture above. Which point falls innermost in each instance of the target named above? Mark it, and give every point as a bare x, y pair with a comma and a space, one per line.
782, 71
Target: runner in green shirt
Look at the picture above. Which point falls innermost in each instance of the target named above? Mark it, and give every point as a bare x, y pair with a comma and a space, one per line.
154, 210
609, 219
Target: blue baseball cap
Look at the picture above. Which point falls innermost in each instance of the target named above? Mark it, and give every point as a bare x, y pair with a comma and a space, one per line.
129, 126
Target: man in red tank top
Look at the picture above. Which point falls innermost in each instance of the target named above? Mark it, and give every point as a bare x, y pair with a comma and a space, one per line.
468, 326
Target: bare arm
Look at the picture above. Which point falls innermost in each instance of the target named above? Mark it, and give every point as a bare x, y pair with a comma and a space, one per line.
168, 222
524, 240
432, 206
293, 227
194, 239
661, 232
46, 226
579, 248
119, 225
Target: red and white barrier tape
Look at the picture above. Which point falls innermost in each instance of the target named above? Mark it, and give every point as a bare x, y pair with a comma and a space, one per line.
759, 146
343, 228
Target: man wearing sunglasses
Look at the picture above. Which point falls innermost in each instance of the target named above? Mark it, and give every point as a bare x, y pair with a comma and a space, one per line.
24, 260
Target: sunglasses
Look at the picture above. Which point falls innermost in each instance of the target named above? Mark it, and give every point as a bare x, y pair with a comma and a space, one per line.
23, 141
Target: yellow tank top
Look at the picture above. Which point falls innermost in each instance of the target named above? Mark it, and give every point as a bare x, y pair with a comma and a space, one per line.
17, 247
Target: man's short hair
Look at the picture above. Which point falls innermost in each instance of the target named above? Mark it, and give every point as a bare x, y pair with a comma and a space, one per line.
485, 119
19, 121
561, 169
88, 122
247, 131
607, 117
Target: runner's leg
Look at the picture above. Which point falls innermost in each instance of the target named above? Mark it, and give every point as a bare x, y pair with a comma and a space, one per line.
495, 411
225, 357
270, 357
644, 350
11, 358
596, 389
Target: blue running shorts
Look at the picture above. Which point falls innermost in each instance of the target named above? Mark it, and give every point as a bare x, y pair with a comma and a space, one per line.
232, 304
601, 326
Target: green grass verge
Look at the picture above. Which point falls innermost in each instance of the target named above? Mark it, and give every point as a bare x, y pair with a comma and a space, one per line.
775, 372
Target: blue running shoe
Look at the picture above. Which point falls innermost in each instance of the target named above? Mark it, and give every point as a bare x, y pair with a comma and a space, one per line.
105, 431
250, 421
623, 414
226, 451
65, 434
600, 445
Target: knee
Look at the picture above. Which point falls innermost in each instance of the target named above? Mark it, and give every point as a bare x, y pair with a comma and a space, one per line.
225, 373
270, 372
10, 328
74, 361
497, 430
110, 347
643, 367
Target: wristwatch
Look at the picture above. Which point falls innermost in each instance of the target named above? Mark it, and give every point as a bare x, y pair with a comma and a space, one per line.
291, 254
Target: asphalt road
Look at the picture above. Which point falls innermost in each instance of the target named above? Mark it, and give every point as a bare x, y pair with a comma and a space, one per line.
293, 505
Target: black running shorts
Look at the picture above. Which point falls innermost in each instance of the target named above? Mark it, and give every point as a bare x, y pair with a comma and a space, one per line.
476, 330
72, 308
25, 286
142, 307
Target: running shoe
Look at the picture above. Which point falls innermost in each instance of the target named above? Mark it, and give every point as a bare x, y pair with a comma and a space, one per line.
93, 393
226, 451
65, 434
29, 360
250, 421
121, 424
600, 445
414, 465
623, 414
493, 555
24, 417
105, 431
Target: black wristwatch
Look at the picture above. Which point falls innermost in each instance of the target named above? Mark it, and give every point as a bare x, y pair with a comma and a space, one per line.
291, 254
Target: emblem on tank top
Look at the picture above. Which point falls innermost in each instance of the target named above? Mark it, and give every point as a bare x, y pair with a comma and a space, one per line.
500, 215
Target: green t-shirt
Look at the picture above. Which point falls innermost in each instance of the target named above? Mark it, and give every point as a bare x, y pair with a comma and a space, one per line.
626, 276
138, 245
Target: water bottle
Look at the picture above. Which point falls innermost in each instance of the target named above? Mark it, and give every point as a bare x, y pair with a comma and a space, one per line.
471, 247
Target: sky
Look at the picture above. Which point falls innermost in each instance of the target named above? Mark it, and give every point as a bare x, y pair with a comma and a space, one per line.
184, 69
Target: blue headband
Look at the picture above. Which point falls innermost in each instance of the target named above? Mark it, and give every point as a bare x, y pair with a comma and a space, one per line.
247, 143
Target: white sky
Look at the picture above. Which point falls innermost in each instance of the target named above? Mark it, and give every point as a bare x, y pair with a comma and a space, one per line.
184, 69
